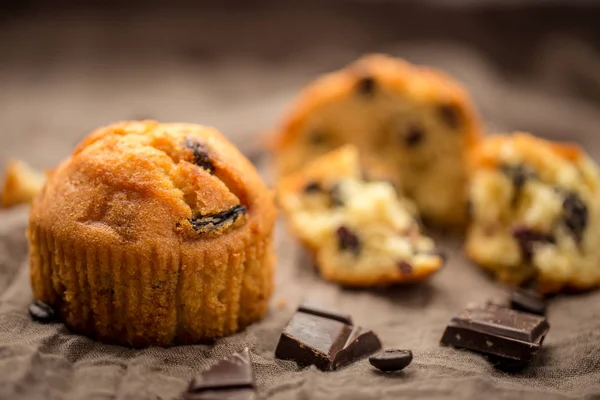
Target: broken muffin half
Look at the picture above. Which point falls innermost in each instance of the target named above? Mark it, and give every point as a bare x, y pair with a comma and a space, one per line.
359, 231
535, 207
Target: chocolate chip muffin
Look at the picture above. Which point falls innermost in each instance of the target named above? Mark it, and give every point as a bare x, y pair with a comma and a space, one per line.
153, 234
535, 213
359, 232
416, 122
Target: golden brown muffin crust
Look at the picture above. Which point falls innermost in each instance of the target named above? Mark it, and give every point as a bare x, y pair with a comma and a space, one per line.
154, 215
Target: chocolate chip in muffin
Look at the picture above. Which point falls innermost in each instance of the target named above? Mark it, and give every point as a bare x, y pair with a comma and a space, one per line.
200, 151
518, 174
575, 215
414, 137
527, 239
207, 223
318, 138
312, 187
450, 114
366, 85
41, 312
405, 267
348, 240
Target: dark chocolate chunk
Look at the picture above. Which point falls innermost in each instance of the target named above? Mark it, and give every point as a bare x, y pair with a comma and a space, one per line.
201, 157
313, 187
450, 114
206, 223
497, 331
575, 215
42, 312
518, 174
391, 360
309, 307
405, 267
527, 240
366, 86
414, 137
528, 301
230, 378
329, 344
347, 240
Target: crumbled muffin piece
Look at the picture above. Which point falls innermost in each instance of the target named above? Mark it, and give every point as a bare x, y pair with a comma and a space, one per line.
535, 208
21, 184
411, 123
360, 232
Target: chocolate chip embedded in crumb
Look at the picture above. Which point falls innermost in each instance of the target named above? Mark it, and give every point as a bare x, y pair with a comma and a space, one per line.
42, 312
450, 114
405, 268
347, 240
318, 138
414, 137
527, 238
575, 215
312, 187
207, 223
200, 151
366, 85
518, 174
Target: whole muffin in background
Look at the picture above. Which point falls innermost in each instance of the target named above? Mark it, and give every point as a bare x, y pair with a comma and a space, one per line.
154, 234
535, 213
359, 231
411, 122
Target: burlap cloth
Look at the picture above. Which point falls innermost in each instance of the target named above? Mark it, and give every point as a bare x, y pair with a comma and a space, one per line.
107, 73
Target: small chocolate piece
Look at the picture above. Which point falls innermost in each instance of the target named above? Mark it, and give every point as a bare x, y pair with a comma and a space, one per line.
391, 360
42, 312
511, 335
518, 174
575, 214
312, 187
414, 137
310, 339
527, 239
309, 307
405, 268
207, 223
318, 138
450, 114
230, 378
366, 86
347, 240
201, 157
528, 301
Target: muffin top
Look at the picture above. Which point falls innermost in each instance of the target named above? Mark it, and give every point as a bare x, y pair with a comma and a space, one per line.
143, 181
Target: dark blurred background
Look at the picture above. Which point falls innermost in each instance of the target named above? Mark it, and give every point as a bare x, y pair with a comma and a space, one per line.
68, 67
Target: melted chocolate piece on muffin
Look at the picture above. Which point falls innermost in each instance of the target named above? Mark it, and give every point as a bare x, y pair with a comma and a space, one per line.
200, 151
366, 86
450, 114
207, 223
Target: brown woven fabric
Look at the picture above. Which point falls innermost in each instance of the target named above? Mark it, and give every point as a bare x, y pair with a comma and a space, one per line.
46, 106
